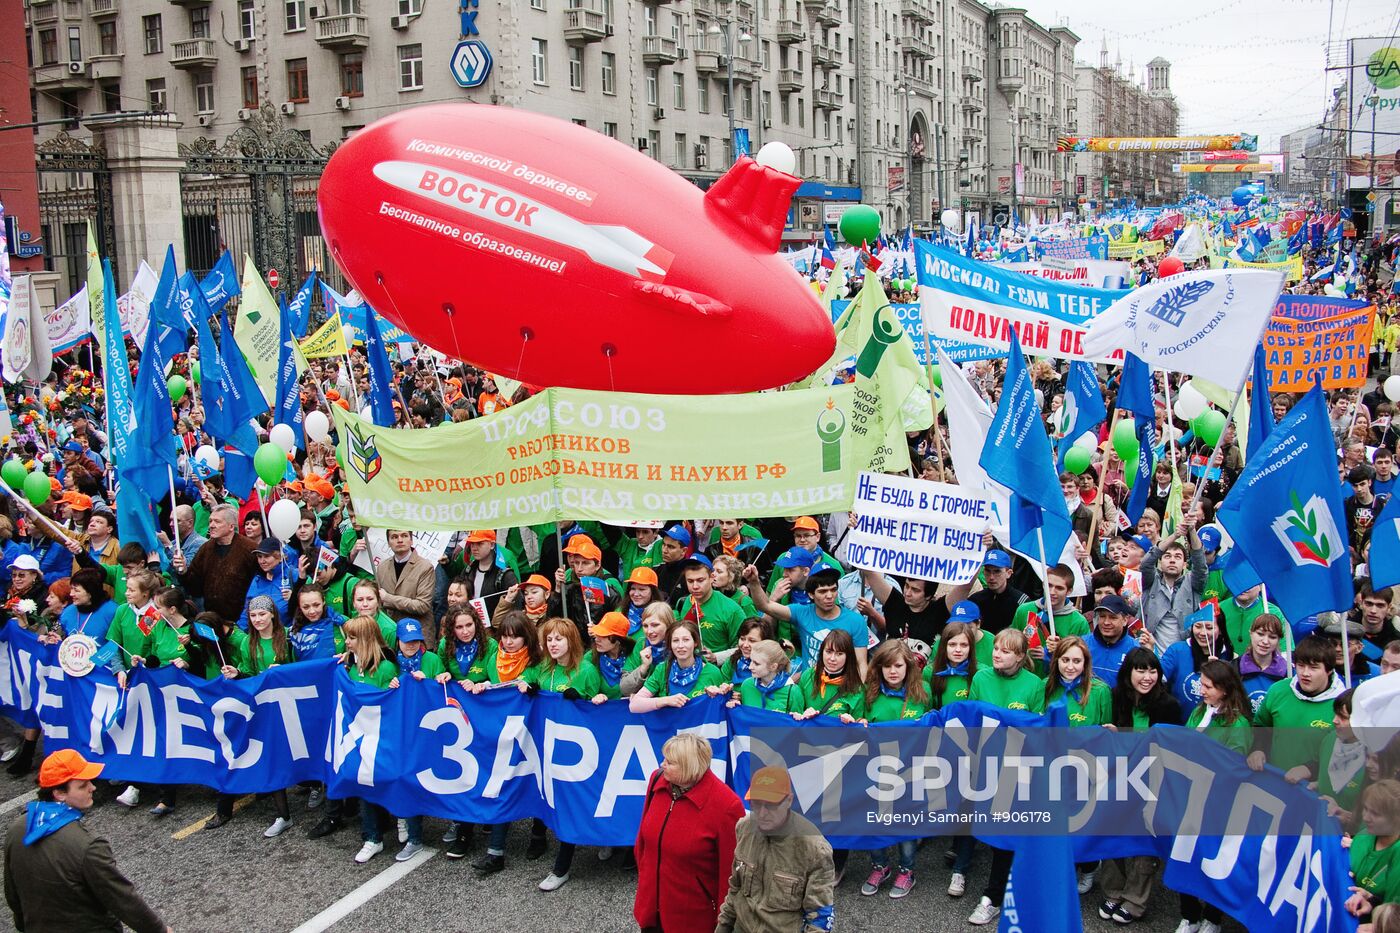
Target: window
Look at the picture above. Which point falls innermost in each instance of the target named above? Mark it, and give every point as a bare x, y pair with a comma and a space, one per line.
765, 107
654, 144
747, 102
610, 130
155, 95
352, 74
609, 73
411, 67
48, 46
652, 78
248, 81
75, 44
802, 113
539, 63
767, 54
678, 90
199, 22
702, 94
297, 83
247, 20
537, 4
682, 152
410, 8
294, 15
204, 92
111, 96
151, 31
649, 20
576, 67
784, 109
107, 38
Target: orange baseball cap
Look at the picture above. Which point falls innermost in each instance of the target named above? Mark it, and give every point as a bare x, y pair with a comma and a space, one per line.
535, 579
321, 486
587, 552
485, 534
67, 765
54, 485
611, 625
644, 576
806, 523
769, 785
577, 543
77, 500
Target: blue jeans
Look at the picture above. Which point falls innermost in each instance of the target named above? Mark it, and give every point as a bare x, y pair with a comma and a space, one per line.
370, 821
907, 848
962, 854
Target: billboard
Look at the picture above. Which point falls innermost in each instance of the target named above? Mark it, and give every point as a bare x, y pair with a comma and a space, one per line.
1238, 141
1374, 67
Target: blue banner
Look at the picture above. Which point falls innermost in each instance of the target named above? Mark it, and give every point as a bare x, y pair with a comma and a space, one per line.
1084, 247
1314, 307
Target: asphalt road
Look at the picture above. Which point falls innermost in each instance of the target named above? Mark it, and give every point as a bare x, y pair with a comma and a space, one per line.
232, 878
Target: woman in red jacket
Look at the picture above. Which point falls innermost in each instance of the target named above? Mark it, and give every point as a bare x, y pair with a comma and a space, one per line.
685, 846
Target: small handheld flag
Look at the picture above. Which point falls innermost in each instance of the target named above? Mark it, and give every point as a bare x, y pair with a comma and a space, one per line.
148, 620
479, 607
205, 632
595, 590
105, 655
1032, 631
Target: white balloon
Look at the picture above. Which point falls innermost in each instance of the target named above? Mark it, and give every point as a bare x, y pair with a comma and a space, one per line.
1189, 403
282, 436
1039, 399
367, 413
283, 517
952, 220
317, 426
207, 455
1088, 440
1392, 388
778, 156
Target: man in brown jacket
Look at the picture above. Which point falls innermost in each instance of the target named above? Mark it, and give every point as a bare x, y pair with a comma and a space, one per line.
783, 876
223, 568
59, 877
406, 582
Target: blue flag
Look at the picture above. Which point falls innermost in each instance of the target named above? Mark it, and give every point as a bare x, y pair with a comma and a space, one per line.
760, 543
288, 403
829, 241
106, 654
381, 377
239, 474
1261, 407
151, 464
166, 318
241, 393
1084, 404
1384, 562
300, 306
220, 284
1285, 514
1135, 396
1298, 240
205, 632
1018, 455
222, 412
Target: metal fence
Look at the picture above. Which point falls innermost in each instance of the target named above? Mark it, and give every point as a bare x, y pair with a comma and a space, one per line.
74, 187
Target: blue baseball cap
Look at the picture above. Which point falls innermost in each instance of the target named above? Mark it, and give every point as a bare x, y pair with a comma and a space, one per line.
1210, 538
997, 558
795, 557
965, 611
1140, 540
1115, 604
677, 532
410, 630
700, 559
73, 447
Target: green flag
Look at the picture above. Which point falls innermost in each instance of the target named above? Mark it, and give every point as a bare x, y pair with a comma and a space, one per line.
258, 329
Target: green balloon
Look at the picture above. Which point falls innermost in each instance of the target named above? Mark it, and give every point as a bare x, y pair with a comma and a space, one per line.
1125, 442
1077, 460
194, 371
1130, 477
1208, 426
860, 225
176, 385
340, 461
13, 473
271, 463
37, 487
937, 375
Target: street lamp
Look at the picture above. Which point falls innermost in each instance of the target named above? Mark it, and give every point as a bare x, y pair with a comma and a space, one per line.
905, 93
1011, 122
728, 31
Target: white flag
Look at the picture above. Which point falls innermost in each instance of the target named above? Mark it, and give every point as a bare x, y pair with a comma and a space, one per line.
25, 347
1190, 246
1203, 323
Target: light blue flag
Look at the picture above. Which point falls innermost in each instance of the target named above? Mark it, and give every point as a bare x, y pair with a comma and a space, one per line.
1261, 408
220, 284
1384, 562
1285, 514
172, 329
1017, 454
1135, 396
222, 413
288, 406
1084, 404
242, 398
152, 463
134, 519
381, 377
300, 306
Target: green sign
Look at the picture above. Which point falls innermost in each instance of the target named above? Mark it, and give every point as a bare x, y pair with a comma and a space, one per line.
567, 454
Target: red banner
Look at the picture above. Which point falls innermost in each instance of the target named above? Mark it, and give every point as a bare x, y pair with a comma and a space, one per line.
1334, 348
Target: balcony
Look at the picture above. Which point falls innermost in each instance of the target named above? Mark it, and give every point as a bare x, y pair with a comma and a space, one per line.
814, 5
194, 53
584, 24
343, 31
105, 67
745, 69
829, 14
970, 104
102, 9
62, 76
790, 31
1009, 76
919, 47
43, 11
826, 56
790, 79
708, 53
920, 86
972, 73
824, 99
921, 11
661, 50
705, 8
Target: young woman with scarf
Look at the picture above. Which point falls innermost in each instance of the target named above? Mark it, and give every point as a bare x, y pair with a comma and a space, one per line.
366, 600
1374, 855
171, 634
834, 687
768, 687
561, 667
683, 676
1087, 700
465, 648
949, 675
736, 668
894, 692
1181, 663
650, 650
1263, 665
612, 647
533, 598
643, 589
368, 661
316, 627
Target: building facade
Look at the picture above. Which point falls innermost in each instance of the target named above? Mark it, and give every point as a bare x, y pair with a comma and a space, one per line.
1113, 102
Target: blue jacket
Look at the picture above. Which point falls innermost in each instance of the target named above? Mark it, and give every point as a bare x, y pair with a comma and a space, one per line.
316, 640
1109, 658
262, 586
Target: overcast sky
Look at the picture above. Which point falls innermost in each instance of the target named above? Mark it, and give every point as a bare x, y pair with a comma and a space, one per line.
1238, 66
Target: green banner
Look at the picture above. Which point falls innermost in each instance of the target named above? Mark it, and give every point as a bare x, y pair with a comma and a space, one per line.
567, 454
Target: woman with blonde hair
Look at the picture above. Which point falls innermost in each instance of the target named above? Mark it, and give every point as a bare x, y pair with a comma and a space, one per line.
768, 687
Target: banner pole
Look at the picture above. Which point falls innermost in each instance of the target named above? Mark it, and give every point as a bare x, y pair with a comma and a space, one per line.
1103, 475
559, 549
1215, 457
933, 403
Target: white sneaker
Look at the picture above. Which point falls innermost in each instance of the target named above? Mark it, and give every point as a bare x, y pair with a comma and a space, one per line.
129, 797
9, 754
409, 850
403, 831
1086, 882
1208, 927
451, 834
1186, 926
985, 913
605, 853
553, 882
278, 827
957, 885
368, 851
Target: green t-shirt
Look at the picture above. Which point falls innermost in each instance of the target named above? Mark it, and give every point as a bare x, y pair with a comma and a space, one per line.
720, 618
787, 698
1375, 871
817, 696
1068, 622
432, 664
657, 682
476, 671
379, 677
1094, 711
611, 691
955, 687
258, 655
1348, 796
886, 708
1299, 724
548, 676
1215, 587
630, 555
1238, 620
165, 641
1023, 690
125, 631
1237, 735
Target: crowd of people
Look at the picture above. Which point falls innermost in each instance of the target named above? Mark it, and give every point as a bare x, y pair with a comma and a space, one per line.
1140, 630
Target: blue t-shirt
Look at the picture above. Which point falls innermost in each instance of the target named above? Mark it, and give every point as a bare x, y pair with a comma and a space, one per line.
1181, 677
1383, 487
1109, 658
811, 630
93, 624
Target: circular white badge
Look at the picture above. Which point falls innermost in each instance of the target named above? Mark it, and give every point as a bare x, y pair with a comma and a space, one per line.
75, 654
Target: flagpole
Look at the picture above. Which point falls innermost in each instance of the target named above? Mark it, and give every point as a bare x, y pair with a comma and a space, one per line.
1215, 454
933, 403
559, 548
1171, 429
1287, 629
174, 522
1103, 475
1346, 647
1045, 581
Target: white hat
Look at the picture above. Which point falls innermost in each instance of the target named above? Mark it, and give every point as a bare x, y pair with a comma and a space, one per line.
25, 562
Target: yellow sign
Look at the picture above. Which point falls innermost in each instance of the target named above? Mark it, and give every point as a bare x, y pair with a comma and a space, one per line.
328, 341
1292, 268
1135, 251
1224, 168
1237, 142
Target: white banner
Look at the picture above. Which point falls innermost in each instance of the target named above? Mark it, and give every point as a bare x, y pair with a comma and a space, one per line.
915, 528
430, 545
1091, 273
134, 307
70, 323
27, 353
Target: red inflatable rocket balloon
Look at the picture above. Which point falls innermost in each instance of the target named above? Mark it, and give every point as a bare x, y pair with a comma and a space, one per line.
547, 252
